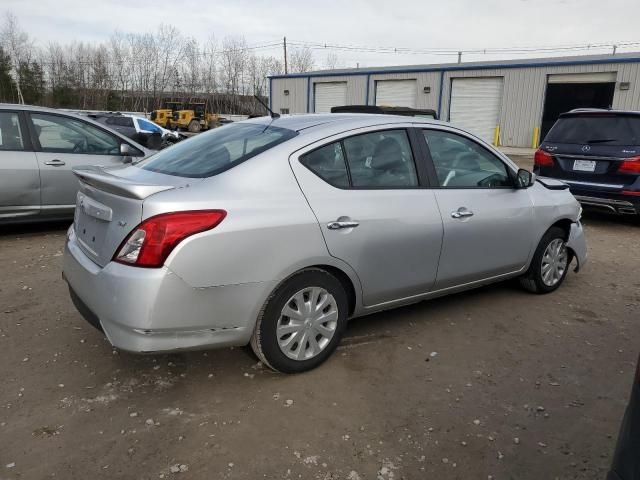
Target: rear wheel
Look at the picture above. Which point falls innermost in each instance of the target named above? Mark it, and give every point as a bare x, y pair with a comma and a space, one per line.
550, 263
194, 126
301, 323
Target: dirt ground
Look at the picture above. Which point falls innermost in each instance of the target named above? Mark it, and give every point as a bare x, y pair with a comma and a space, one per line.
494, 383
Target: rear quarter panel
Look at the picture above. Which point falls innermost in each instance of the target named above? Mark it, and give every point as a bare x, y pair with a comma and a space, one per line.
269, 232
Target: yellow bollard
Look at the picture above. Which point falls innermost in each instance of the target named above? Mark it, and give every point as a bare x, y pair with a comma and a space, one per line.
496, 135
536, 134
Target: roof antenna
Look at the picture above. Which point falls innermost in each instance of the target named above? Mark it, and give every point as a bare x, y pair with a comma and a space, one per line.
272, 114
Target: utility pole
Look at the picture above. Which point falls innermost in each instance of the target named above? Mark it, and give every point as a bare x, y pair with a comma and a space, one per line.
459, 57
284, 44
615, 47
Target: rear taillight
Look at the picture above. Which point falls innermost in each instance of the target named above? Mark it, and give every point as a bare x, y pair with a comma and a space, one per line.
542, 159
630, 165
151, 242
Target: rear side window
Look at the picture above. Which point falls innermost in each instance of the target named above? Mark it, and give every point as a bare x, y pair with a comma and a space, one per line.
218, 150
377, 160
381, 160
10, 134
594, 129
328, 163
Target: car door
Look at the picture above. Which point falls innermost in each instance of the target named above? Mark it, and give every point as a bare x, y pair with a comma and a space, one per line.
63, 142
374, 210
19, 175
488, 223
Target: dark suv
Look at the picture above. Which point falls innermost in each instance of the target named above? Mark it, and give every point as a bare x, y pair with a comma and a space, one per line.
597, 153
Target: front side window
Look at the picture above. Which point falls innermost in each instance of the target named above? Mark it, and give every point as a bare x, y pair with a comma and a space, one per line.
381, 160
462, 163
61, 134
217, 150
10, 133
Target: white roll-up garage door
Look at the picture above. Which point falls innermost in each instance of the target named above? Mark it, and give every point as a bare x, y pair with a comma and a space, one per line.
396, 93
329, 94
475, 105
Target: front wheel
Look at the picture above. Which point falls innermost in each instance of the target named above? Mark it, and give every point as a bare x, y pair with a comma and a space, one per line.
301, 323
550, 263
194, 126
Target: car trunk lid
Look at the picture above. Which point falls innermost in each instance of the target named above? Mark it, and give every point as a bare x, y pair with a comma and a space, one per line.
110, 204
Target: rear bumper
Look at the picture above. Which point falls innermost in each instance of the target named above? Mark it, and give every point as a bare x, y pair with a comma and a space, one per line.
613, 205
153, 310
578, 244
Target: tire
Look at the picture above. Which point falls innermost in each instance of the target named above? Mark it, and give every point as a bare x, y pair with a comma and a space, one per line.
194, 126
534, 280
269, 346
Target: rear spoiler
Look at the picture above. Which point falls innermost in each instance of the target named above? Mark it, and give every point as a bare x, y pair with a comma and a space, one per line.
98, 177
552, 183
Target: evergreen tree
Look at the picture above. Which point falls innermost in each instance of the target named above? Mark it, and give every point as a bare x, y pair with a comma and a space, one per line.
32, 82
7, 85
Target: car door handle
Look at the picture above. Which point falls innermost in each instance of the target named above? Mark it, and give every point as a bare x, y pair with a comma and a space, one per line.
339, 225
461, 213
55, 163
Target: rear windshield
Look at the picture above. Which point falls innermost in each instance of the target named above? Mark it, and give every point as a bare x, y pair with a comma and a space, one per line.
596, 129
215, 151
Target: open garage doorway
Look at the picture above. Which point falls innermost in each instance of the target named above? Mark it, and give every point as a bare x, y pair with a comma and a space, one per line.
577, 90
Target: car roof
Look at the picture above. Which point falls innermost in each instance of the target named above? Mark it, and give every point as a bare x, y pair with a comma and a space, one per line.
589, 111
86, 118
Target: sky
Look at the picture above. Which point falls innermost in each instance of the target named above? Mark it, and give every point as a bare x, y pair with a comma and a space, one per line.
417, 24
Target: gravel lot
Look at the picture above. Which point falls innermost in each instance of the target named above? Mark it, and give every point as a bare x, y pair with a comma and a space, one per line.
493, 383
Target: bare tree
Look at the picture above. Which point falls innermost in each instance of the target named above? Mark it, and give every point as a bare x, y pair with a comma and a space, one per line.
301, 60
191, 67
233, 63
137, 71
331, 62
16, 44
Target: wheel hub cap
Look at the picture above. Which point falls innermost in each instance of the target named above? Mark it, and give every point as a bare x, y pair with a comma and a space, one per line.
554, 262
307, 323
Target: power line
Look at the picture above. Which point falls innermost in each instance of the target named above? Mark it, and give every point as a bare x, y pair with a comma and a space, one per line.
454, 51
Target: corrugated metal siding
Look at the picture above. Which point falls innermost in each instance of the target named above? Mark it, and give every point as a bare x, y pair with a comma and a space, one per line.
295, 101
524, 92
628, 99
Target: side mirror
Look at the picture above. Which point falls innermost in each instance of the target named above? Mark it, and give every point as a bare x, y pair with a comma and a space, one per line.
524, 178
125, 150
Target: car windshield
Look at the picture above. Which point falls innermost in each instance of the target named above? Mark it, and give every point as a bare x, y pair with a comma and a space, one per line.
213, 152
603, 129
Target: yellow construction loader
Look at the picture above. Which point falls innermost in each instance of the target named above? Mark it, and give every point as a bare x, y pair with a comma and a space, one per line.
163, 116
194, 118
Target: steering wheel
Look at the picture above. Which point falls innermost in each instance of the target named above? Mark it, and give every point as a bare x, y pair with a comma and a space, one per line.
494, 180
80, 146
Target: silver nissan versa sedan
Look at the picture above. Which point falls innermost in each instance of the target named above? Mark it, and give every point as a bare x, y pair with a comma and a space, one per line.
275, 231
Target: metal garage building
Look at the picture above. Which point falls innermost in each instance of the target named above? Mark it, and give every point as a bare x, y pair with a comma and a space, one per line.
515, 101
